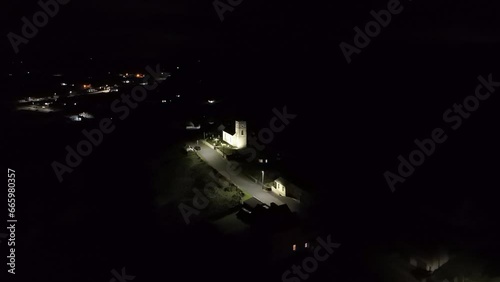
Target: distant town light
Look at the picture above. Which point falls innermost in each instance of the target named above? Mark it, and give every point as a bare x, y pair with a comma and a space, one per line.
294, 248
211, 101
307, 245
163, 101
178, 67
74, 104
178, 95
63, 84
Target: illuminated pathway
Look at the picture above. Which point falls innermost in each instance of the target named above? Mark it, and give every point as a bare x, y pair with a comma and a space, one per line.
216, 161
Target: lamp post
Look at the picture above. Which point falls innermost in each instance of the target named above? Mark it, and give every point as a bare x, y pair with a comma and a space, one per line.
262, 179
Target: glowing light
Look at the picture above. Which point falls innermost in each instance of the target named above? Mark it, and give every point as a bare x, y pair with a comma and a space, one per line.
163, 101
294, 248
211, 101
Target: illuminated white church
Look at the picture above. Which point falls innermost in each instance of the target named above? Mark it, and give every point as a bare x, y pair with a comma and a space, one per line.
236, 136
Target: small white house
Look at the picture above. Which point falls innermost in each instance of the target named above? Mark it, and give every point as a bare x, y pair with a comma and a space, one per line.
430, 262
236, 136
285, 188
279, 187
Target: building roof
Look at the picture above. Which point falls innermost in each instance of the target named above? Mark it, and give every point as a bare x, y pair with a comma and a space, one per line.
285, 182
252, 203
295, 179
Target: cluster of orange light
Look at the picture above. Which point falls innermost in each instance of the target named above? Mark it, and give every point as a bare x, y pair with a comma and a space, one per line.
87, 86
139, 75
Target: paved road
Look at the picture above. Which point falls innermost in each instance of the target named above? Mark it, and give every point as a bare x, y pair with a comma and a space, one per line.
216, 161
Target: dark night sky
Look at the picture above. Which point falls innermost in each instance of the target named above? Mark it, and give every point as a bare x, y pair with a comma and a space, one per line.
163, 29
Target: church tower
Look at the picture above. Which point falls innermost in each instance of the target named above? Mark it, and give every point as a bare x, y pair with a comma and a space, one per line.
240, 134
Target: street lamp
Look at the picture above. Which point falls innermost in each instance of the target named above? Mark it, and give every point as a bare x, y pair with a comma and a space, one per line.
262, 179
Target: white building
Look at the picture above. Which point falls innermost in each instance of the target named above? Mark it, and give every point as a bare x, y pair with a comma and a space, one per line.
430, 261
285, 188
236, 136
